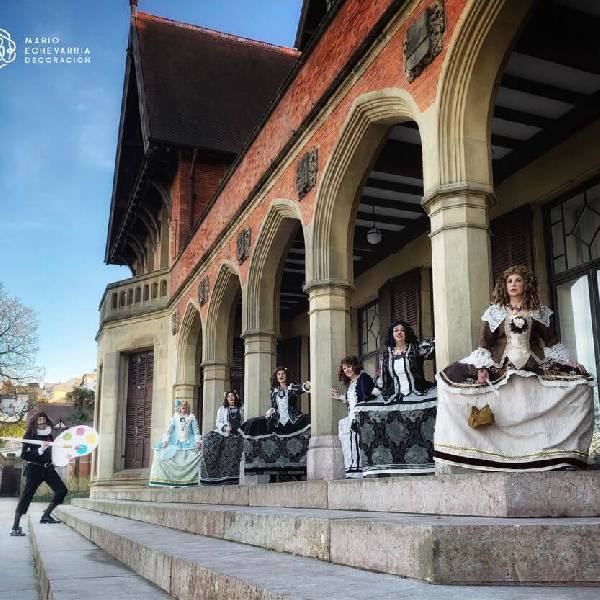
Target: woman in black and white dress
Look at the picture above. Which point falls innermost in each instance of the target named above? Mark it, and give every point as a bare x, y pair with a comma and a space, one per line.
283, 416
400, 377
359, 388
222, 448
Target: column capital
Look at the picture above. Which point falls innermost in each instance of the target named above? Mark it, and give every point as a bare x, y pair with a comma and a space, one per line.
214, 369
259, 334
458, 193
330, 285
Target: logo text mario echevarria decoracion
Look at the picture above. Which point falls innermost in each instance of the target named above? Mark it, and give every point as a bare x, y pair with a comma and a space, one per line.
50, 50
8, 49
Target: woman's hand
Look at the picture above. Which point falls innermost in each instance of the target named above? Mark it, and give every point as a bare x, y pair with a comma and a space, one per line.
227, 428
483, 376
575, 365
307, 385
269, 413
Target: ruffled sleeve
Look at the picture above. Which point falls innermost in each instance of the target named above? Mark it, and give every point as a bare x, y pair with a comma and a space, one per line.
480, 359
196, 430
222, 421
170, 429
558, 353
426, 348
494, 315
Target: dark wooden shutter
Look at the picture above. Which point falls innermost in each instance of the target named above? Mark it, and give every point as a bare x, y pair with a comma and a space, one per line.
288, 355
237, 366
406, 299
385, 310
138, 417
511, 240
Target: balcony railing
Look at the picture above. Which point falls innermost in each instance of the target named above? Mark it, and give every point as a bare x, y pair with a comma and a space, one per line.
135, 296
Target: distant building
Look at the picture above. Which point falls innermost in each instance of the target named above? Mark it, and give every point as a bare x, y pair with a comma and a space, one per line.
88, 381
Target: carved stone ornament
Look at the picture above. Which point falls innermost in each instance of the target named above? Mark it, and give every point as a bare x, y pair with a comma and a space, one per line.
174, 323
306, 172
424, 39
203, 291
243, 245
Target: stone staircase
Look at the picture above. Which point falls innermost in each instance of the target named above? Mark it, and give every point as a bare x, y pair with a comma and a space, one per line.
487, 535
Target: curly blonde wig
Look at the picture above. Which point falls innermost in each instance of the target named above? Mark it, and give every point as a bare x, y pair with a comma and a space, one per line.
531, 299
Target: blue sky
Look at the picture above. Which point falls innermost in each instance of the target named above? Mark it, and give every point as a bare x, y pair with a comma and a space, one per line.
58, 128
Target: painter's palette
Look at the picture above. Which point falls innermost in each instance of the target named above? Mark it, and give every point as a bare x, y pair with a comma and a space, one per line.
74, 443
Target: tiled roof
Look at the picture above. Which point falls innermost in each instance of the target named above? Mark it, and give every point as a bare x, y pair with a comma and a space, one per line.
205, 89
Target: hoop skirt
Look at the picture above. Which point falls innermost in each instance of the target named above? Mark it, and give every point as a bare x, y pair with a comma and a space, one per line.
542, 407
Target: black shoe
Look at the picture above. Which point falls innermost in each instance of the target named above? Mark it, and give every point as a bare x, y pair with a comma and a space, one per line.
17, 531
48, 519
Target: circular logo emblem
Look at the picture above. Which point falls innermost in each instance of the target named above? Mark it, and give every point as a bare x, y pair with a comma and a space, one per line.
8, 49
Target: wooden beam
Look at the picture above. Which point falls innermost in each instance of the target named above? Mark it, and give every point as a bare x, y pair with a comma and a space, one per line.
400, 158
367, 215
387, 203
559, 130
561, 35
505, 141
541, 89
524, 118
395, 186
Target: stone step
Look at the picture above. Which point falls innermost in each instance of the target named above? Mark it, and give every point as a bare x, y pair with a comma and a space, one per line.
548, 494
438, 549
70, 567
193, 567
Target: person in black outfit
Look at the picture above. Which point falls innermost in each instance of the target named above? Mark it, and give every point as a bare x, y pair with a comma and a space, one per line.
39, 468
284, 416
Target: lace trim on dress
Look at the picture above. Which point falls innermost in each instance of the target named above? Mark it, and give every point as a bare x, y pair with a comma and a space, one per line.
480, 359
542, 314
558, 352
493, 315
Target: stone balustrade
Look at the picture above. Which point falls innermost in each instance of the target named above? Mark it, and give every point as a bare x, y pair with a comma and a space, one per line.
135, 296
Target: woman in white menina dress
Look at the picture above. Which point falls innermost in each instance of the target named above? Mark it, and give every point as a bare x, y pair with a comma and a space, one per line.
518, 402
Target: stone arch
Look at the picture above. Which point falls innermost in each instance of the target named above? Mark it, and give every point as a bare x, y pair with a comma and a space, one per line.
371, 116
219, 316
189, 338
467, 88
260, 309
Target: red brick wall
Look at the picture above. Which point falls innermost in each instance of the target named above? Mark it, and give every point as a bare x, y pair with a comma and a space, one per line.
208, 174
352, 24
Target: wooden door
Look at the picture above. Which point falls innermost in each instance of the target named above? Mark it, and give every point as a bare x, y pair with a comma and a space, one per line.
139, 410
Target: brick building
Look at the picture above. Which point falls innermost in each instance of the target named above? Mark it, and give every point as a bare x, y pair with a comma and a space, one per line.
282, 205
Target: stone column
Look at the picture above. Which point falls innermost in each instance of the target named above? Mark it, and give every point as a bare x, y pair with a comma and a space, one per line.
216, 376
329, 317
460, 256
106, 424
184, 391
259, 362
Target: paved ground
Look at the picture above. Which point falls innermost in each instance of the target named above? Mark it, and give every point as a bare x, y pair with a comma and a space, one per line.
18, 580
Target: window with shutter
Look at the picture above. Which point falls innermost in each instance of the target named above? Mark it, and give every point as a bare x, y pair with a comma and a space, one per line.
237, 366
511, 240
406, 299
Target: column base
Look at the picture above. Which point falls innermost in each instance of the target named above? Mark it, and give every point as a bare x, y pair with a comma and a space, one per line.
324, 459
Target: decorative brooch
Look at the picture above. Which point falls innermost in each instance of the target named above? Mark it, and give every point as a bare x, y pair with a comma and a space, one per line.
518, 324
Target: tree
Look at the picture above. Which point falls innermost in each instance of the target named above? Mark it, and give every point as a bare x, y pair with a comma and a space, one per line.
83, 401
18, 341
